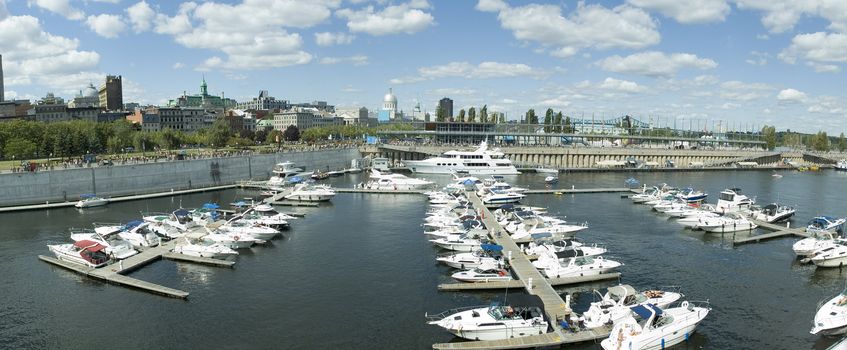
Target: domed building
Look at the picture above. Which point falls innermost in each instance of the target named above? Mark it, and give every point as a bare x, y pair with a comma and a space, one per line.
88, 97
389, 108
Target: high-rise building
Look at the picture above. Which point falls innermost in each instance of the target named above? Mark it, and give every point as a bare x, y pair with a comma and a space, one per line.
2, 91
446, 106
111, 93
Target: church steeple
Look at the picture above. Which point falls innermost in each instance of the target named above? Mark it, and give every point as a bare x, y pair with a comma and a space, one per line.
204, 91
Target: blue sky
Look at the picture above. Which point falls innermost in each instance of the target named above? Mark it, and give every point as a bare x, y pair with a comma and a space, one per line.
743, 62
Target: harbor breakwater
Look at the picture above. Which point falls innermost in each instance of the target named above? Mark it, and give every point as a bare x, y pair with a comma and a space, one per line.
122, 180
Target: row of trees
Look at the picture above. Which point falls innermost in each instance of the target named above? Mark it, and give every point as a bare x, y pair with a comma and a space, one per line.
470, 116
818, 142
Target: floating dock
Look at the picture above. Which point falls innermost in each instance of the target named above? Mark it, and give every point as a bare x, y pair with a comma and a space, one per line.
530, 278
579, 190
115, 272
779, 232
519, 284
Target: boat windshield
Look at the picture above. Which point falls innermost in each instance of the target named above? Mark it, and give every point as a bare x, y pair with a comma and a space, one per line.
585, 260
727, 196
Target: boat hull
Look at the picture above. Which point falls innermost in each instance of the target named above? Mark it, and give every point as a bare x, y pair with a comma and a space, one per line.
424, 167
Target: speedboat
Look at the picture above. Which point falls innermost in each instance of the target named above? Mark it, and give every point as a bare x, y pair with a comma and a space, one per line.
311, 193
497, 185
841, 165
615, 304
645, 196
380, 181
135, 232
206, 214
85, 252
574, 267
573, 252
170, 226
729, 222
692, 217
320, 175
530, 227
834, 255
116, 247
831, 317
731, 200
542, 243
494, 322
462, 243
266, 215
826, 223
771, 213
485, 256
651, 327
246, 228
541, 170
493, 197
283, 172
205, 250
233, 241
481, 161
90, 200
483, 273
551, 179
817, 240
691, 195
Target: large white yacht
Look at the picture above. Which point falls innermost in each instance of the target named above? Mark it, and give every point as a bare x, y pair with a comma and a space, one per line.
380, 181
651, 327
494, 322
481, 161
283, 172
831, 317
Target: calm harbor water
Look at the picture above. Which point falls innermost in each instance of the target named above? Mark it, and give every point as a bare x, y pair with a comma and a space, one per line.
359, 274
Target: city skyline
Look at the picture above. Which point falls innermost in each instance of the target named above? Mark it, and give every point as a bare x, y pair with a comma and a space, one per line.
744, 62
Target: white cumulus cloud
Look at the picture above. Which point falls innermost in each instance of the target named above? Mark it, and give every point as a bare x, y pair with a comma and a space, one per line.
621, 85
405, 18
356, 60
329, 38
60, 7
107, 26
791, 95
655, 64
141, 16
820, 50
687, 11
467, 70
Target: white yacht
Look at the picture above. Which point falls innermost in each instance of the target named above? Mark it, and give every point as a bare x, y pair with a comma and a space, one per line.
311, 193
497, 185
283, 172
494, 197
574, 267
85, 252
266, 215
834, 255
615, 304
473, 259
231, 241
831, 317
772, 213
90, 200
116, 247
817, 241
651, 327
841, 165
729, 222
380, 181
481, 161
135, 232
494, 322
483, 273
535, 226
826, 223
205, 250
170, 226
461, 243
238, 227
731, 200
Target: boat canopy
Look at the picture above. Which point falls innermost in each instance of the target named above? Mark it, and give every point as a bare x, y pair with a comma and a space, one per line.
239, 204
87, 195
88, 245
132, 224
295, 179
210, 206
645, 311
492, 247
621, 291
468, 182
181, 212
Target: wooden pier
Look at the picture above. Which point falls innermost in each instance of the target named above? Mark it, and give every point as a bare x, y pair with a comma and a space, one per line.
376, 191
579, 190
115, 272
530, 278
778, 232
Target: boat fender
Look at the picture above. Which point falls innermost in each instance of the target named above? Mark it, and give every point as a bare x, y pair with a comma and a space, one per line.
685, 304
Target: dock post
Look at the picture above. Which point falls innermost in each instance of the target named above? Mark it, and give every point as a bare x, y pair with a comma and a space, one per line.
788, 224
509, 253
529, 284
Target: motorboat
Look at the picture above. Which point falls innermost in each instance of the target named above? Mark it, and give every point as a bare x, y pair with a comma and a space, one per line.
238, 227
283, 172
817, 240
497, 185
136, 232
206, 214
826, 223
665, 206
529, 227
170, 226
574, 267
494, 197
729, 222
233, 241
541, 170
320, 175
773, 212
731, 200
543, 243
205, 249
651, 327
84, 252
116, 247
488, 255
841, 165
839, 345
691, 195
644, 196
483, 273
311, 193
494, 322
266, 215
573, 252
380, 181
831, 317
693, 216
481, 161
90, 200
551, 179
462, 243
834, 255
615, 304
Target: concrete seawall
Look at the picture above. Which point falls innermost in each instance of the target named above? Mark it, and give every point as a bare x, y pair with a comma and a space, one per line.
69, 184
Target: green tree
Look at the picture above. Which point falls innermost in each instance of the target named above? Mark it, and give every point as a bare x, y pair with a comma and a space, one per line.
530, 117
461, 118
502, 118
20, 149
557, 121
842, 143
548, 120
472, 115
292, 133
568, 129
820, 142
483, 114
769, 136
440, 116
